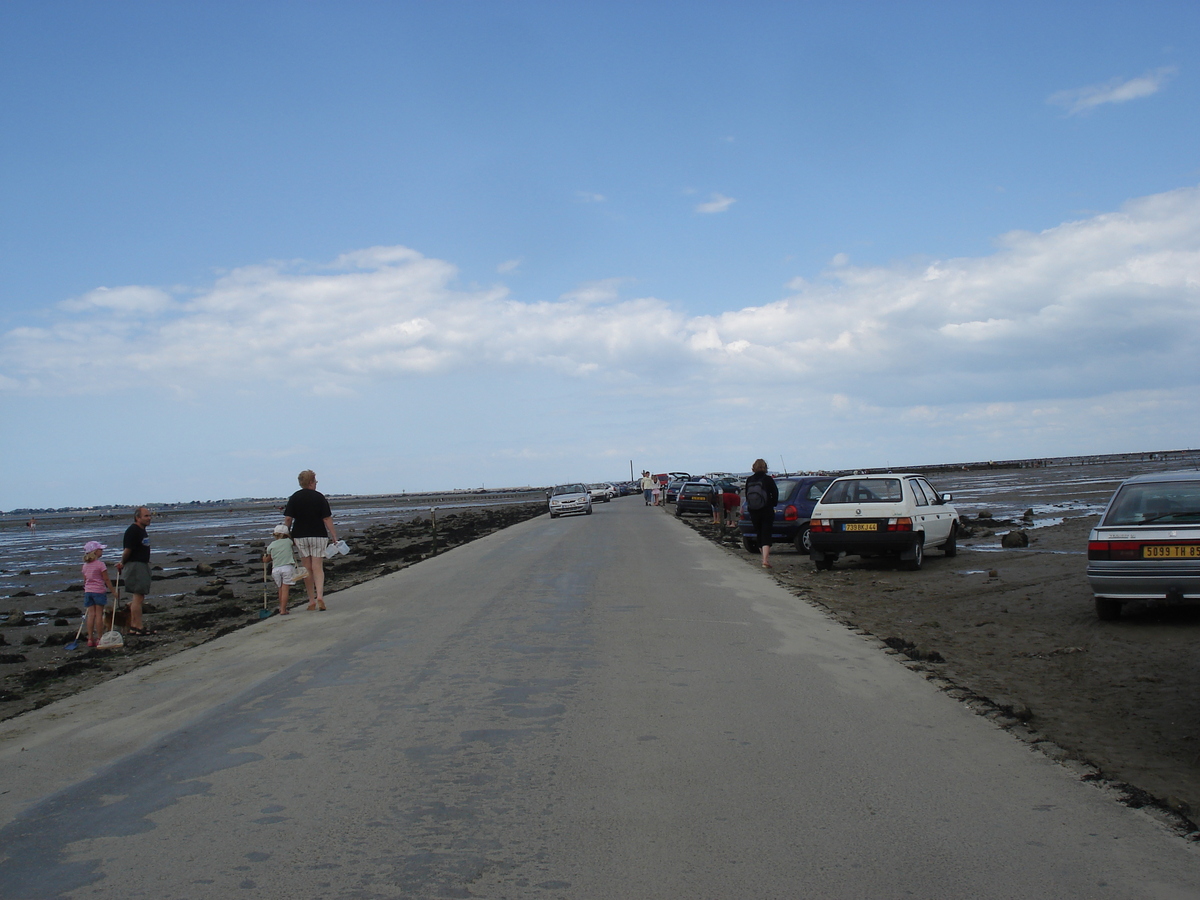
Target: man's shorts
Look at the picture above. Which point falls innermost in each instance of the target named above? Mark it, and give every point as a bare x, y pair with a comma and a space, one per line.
283, 574
91, 598
312, 546
136, 576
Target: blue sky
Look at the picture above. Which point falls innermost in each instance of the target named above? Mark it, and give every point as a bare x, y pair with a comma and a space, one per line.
436, 245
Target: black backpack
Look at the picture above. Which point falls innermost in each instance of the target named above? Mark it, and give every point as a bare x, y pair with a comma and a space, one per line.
756, 496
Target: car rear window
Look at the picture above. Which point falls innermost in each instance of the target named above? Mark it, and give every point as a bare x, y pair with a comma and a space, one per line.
1155, 502
864, 490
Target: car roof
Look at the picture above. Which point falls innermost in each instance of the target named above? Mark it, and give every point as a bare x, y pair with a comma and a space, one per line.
1150, 477
882, 475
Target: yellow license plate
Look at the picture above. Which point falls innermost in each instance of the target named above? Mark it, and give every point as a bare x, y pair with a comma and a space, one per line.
1171, 551
860, 526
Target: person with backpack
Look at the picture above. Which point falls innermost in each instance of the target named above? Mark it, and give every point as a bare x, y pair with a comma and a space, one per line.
761, 497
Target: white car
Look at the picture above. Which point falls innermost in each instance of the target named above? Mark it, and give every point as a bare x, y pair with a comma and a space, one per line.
882, 515
601, 492
570, 498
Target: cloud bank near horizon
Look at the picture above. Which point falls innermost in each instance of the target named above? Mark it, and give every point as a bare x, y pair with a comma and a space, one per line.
1092, 307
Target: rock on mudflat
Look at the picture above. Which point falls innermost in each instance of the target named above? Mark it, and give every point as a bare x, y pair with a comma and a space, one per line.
1015, 539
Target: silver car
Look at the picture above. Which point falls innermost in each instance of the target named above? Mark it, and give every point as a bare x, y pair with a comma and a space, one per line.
1147, 545
570, 498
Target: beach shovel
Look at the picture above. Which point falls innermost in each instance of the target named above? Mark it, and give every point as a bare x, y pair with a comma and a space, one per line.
75, 643
112, 640
264, 613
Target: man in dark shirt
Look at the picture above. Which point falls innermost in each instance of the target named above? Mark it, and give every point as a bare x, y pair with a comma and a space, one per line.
135, 568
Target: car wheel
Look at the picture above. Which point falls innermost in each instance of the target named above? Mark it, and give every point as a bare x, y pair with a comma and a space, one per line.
554, 515
824, 563
1107, 609
804, 541
750, 545
918, 555
678, 514
589, 510
950, 548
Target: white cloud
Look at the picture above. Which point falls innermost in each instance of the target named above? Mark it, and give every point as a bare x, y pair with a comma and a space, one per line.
1105, 305
132, 300
718, 204
589, 197
508, 266
1084, 99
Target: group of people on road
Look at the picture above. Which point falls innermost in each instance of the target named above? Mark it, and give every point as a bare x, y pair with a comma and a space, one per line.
761, 495
306, 531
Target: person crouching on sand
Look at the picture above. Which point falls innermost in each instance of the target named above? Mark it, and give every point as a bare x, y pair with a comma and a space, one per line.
283, 565
96, 588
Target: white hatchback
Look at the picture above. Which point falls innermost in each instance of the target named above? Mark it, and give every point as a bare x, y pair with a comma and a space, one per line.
882, 515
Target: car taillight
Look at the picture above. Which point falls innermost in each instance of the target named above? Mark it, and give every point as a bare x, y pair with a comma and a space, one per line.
790, 514
1114, 550
904, 523
820, 525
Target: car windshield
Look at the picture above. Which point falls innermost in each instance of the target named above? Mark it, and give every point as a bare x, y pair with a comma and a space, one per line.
1156, 502
569, 489
864, 490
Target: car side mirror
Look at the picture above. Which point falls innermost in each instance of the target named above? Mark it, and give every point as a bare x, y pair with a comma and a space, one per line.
945, 498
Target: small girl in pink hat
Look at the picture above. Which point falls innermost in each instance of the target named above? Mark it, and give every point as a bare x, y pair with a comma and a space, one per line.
96, 588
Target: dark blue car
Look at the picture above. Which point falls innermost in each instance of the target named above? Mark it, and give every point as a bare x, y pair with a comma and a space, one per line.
798, 494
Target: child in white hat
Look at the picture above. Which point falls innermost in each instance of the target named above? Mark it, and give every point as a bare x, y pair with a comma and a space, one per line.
283, 565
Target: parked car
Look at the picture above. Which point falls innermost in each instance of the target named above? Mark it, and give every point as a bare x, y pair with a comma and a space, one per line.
671, 492
695, 497
601, 492
1147, 545
570, 498
797, 497
882, 515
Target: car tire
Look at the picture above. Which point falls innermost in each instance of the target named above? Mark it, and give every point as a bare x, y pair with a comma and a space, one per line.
804, 541
950, 548
825, 563
554, 515
589, 510
914, 564
678, 514
1107, 609
750, 545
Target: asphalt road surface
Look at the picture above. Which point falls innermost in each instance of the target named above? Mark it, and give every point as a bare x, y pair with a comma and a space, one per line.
605, 706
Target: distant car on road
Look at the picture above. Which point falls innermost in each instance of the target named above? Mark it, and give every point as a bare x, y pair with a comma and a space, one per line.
566, 499
797, 497
1147, 545
882, 515
601, 492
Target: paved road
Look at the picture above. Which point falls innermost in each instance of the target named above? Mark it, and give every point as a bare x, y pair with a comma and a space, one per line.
593, 707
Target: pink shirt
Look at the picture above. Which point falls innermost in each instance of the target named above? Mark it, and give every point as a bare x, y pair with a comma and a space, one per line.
93, 577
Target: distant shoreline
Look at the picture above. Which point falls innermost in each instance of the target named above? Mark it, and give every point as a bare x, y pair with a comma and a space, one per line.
413, 501
427, 499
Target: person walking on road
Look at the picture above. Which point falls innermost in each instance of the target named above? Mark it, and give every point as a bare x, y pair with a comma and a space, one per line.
761, 497
283, 565
310, 521
647, 487
135, 568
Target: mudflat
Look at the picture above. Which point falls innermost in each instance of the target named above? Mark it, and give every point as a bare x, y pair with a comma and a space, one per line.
1014, 633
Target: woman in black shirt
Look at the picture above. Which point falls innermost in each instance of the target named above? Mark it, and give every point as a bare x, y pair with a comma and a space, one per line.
761, 497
